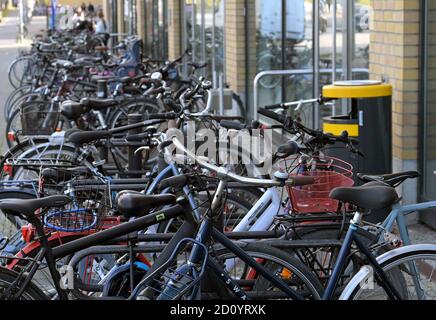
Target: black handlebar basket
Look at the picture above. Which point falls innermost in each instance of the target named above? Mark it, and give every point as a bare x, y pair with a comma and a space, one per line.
39, 118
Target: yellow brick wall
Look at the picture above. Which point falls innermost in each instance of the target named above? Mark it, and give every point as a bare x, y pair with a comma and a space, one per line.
140, 19
431, 92
78, 3
174, 32
120, 16
394, 56
235, 45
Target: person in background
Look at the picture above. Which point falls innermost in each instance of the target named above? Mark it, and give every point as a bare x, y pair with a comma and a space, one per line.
100, 25
90, 12
79, 16
91, 9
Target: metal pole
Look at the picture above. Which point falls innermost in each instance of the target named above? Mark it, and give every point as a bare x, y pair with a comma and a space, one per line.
334, 49
263, 74
21, 21
347, 45
135, 160
203, 33
221, 92
214, 74
316, 78
194, 22
53, 15
334, 42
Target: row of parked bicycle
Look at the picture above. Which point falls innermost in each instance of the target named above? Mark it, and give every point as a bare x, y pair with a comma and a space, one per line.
111, 198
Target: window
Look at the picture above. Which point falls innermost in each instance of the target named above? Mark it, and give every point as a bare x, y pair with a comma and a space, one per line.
156, 29
204, 34
283, 41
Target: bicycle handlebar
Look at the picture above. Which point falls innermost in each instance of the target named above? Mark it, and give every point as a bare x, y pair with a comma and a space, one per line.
224, 174
272, 115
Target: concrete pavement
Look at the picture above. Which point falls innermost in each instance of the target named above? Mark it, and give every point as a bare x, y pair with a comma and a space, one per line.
9, 50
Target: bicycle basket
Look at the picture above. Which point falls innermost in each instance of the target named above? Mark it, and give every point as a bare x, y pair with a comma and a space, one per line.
328, 172
177, 278
91, 203
37, 118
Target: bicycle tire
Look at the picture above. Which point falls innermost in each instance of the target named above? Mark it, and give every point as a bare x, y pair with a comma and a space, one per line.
327, 234
392, 259
16, 94
32, 292
15, 79
292, 265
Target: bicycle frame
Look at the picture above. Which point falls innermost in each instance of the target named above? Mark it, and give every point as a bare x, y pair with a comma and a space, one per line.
341, 261
91, 240
206, 232
398, 214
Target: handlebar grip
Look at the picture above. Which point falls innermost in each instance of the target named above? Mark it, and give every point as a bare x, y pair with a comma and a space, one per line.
274, 106
163, 116
193, 92
272, 115
232, 125
363, 177
157, 91
300, 181
174, 182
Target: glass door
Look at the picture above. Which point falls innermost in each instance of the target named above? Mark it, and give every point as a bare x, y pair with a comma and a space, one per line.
204, 35
130, 17
428, 116
156, 29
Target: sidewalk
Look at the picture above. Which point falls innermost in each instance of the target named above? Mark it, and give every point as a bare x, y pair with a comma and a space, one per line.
9, 49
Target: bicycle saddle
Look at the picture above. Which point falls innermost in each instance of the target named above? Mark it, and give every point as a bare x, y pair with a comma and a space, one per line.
80, 137
98, 104
88, 60
65, 64
106, 78
136, 204
372, 196
28, 207
73, 110
390, 179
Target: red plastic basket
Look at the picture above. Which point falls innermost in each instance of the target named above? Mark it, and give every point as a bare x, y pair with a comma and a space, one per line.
328, 172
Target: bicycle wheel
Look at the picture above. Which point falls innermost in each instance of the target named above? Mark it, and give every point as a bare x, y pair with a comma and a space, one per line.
321, 259
32, 292
119, 118
19, 101
21, 70
411, 271
279, 263
16, 94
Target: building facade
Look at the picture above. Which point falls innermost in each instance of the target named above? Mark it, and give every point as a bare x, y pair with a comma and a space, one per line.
294, 47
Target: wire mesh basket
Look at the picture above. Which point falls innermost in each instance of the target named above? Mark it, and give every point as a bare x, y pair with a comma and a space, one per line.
177, 278
38, 118
328, 172
91, 203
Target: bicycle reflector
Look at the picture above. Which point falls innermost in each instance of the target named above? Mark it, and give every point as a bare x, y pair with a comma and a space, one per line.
28, 233
9, 169
11, 136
